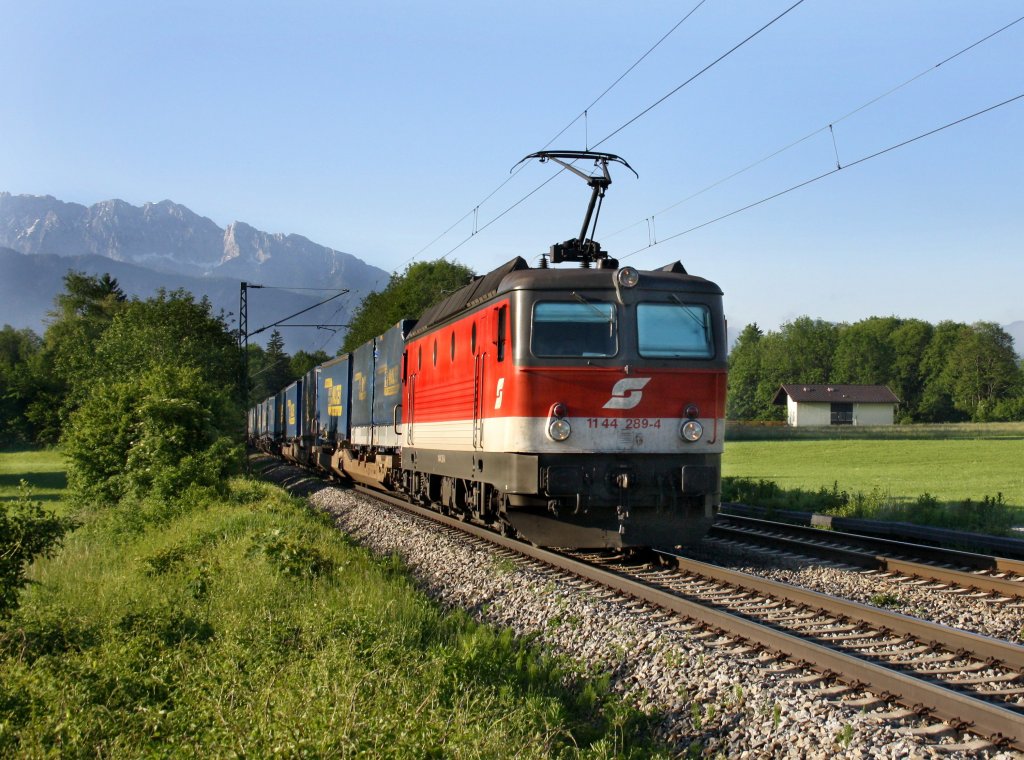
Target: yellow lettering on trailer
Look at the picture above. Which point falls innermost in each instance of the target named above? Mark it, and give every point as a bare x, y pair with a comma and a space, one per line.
392, 380
334, 405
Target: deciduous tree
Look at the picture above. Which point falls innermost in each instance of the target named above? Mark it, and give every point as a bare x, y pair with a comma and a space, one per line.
744, 374
160, 414
406, 296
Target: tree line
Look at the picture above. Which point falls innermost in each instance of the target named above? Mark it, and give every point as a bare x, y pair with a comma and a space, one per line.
143, 395
947, 372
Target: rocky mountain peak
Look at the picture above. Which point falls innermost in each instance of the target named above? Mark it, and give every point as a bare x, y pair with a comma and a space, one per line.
169, 237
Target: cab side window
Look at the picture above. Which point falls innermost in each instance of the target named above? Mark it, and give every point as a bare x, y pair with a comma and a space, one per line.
502, 328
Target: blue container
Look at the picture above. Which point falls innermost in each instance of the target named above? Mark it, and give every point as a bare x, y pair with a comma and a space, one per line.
274, 418
310, 416
293, 410
387, 383
361, 398
377, 387
333, 390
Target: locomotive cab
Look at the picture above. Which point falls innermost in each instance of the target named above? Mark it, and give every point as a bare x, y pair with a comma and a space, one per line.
618, 392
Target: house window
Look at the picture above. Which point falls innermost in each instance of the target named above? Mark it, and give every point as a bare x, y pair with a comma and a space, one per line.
842, 414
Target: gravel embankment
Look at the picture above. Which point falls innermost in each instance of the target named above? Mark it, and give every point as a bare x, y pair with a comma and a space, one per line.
710, 691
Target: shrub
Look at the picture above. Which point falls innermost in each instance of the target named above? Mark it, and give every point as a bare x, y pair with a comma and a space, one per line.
26, 532
156, 437
294, 556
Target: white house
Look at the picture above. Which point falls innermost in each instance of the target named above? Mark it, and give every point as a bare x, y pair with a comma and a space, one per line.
811, 405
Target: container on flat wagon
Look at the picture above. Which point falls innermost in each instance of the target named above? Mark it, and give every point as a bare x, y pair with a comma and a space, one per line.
387, 384
361, 399
275, 416
292, 409
310, 416
377, 387
333, 389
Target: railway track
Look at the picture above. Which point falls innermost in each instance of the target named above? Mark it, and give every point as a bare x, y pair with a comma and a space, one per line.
971, 683
959, 571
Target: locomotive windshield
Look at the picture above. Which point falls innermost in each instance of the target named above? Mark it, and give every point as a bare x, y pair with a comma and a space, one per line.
587, 328
674, 331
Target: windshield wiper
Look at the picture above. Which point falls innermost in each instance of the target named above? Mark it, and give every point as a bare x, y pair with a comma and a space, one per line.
702, 322
610, 314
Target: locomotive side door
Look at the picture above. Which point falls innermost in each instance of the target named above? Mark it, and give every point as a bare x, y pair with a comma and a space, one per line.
410, 388
490, 342
477, 331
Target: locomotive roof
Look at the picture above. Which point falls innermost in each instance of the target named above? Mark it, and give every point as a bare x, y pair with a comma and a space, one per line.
518, 275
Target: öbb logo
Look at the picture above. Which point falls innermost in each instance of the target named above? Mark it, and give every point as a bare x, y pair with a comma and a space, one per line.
627, 392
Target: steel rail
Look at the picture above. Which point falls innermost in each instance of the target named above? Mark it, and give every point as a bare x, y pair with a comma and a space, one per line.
999, 586
918, 537
821, 546
976, 560
982, 647
999, 724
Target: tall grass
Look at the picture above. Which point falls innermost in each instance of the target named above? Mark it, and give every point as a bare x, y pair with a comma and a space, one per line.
252, 627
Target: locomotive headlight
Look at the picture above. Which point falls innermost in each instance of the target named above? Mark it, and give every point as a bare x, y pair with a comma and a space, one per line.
691, 431
559, 429
628, 277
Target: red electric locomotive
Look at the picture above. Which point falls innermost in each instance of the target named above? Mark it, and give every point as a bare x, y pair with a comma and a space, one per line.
578, 407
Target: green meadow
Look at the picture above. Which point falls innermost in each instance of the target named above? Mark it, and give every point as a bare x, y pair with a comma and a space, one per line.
969, 476
42, 468
250, 626
950, 462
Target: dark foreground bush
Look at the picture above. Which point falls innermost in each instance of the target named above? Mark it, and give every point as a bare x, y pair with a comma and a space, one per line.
26, 532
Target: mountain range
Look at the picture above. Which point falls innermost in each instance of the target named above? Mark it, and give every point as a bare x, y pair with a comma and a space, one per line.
167, 245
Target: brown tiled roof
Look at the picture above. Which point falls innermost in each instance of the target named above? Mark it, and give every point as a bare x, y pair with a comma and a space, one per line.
862, 394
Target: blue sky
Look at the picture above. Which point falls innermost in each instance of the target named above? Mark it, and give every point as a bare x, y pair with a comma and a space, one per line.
372, 127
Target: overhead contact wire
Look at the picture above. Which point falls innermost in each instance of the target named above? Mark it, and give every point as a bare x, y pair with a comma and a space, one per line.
624, 74
827, 174
711, 65
821, 129
641, 114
